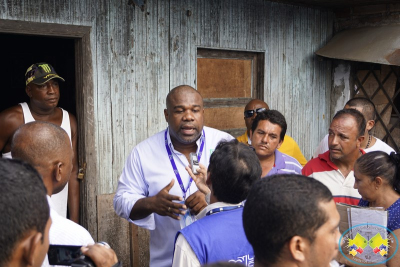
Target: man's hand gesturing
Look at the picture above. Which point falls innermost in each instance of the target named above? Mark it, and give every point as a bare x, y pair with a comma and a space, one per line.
163, 203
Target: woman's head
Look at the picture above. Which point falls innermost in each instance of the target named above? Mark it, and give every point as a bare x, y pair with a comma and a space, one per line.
374, 170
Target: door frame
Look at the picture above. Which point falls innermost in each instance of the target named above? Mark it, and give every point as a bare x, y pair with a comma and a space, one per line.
84, 103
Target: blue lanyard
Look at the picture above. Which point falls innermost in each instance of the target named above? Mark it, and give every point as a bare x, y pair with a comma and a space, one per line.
213, 211
171, 159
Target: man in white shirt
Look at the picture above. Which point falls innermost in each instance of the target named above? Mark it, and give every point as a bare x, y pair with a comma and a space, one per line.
370, 143
48, 149
218, 233
43, 90
154, 178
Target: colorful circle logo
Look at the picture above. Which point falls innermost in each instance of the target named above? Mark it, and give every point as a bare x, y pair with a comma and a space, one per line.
367, 244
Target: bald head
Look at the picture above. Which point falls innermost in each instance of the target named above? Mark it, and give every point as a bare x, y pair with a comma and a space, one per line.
39, 143
179, 90
251, 106
256, 102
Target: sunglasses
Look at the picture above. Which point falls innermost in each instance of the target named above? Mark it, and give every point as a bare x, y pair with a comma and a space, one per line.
250, 113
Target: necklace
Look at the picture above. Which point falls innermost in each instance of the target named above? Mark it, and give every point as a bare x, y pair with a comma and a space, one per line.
369, 141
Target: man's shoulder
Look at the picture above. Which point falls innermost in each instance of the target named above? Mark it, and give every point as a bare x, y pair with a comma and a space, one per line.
318, 164
289, 160
153, 140
12, 114
216, 134
243, 138
11, 119
380, 146
209, 221
66, 231
286, 157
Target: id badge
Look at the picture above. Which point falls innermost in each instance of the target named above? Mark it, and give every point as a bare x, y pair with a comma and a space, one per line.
186, 219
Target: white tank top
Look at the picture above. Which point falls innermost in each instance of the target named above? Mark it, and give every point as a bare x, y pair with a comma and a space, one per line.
60, 199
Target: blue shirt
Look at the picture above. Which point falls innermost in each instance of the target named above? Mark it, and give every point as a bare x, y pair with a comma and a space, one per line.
148, 170
394, 214
285, 164
219, 237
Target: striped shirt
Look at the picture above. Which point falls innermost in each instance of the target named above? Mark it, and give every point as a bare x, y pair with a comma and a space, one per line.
325, 171
285, 164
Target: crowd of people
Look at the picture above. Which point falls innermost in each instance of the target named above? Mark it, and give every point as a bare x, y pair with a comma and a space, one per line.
253, 201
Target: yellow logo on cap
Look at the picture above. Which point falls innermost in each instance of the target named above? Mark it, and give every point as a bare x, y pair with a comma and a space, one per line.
30, 79
48, 75
45, 67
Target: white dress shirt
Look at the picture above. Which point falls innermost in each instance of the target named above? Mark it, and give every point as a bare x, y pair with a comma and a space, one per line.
66, 232
147, 171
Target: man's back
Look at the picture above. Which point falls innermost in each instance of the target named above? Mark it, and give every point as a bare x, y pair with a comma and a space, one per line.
216, 237
66, 232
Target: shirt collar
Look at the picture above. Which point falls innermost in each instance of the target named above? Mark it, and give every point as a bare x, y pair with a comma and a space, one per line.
215, 205
248, 138
279, 161
198, 141
326, 157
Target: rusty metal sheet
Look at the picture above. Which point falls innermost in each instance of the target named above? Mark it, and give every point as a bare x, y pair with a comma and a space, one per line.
368, 44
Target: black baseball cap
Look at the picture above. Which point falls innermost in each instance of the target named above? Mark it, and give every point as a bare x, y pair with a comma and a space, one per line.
40, 73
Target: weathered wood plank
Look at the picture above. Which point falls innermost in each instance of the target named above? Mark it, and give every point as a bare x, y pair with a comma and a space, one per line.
288, 57
86, 130
103, 103
45, 29
140, 249
163, 79
112, 228
118, 80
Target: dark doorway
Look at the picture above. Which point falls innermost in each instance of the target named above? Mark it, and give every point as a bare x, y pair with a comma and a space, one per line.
20, 51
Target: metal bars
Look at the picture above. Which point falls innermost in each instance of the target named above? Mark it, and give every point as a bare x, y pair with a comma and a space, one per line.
390, 125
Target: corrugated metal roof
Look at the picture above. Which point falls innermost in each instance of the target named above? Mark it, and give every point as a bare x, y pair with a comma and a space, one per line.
369, 44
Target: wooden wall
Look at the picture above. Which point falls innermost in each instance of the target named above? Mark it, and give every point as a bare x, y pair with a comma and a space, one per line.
139, 55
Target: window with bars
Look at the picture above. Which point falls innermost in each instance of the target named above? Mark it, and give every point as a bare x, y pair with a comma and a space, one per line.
381, 84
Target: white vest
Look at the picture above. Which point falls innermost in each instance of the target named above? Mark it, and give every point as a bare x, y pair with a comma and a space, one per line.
60, 199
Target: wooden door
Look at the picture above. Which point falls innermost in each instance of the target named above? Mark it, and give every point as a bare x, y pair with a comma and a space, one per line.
228, 80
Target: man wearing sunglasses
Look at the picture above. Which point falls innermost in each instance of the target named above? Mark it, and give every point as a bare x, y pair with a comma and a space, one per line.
288, 147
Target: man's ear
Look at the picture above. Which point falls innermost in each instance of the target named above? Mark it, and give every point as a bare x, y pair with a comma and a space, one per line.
298, 247
28, 91
359, 140
30, 246
279, 144
166, 115
58, 169
370, 125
